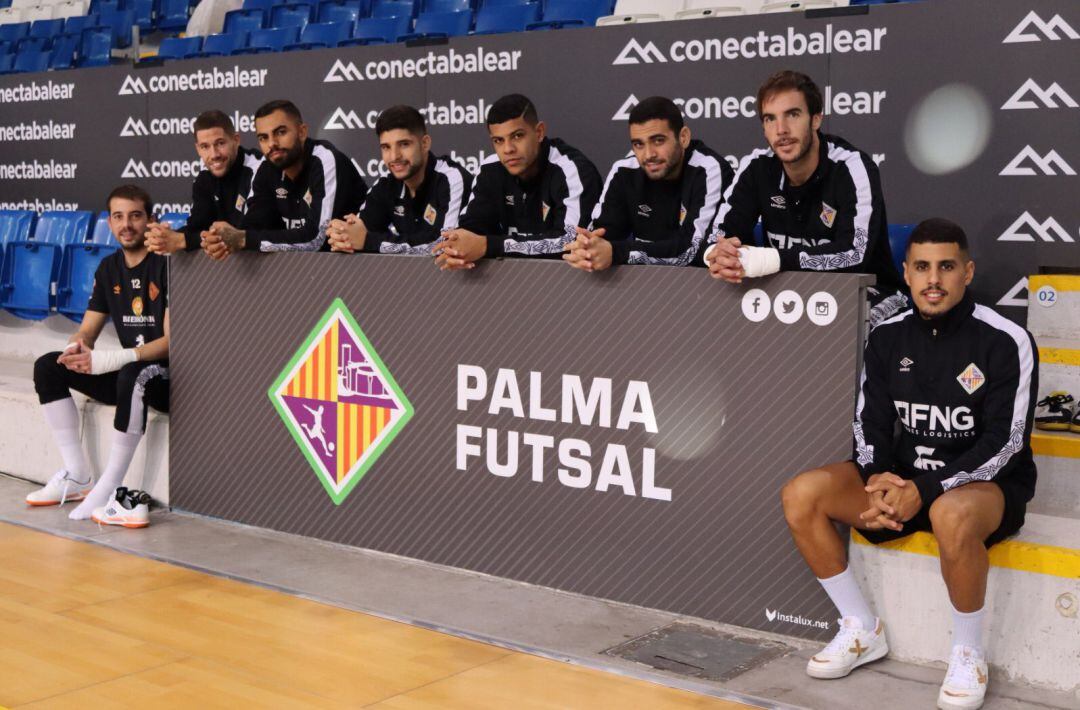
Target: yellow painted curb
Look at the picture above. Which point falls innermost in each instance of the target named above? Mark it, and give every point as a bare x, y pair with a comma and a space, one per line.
1044, 443
1060, 282
1010, 554
1059, 356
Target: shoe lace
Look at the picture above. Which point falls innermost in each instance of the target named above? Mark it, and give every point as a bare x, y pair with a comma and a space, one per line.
964, 670
59, 479
845, 637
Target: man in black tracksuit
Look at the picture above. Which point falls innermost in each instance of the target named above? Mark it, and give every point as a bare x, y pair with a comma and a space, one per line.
406, 211
656, 207
300, 187
819, 200
221, 190
959, 382
529, 199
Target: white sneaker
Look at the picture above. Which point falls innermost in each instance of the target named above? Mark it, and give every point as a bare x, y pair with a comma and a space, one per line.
128, 508
60, 489
850, 648
965, 681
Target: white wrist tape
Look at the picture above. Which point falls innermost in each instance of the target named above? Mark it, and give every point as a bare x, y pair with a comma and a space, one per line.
71, 346
759, 261
102, 361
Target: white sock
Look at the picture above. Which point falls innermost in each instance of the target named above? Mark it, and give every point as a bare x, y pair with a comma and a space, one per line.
120, 455
845, 594
63, 419
968, 628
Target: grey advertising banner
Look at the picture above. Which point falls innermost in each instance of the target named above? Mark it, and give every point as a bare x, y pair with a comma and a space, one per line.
970, 108
622, 435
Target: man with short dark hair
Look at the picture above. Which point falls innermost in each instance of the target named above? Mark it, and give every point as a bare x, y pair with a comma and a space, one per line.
406, 211
530, 197
656, 206
302, 185
819, 200
220, 191
958, 382
131, 287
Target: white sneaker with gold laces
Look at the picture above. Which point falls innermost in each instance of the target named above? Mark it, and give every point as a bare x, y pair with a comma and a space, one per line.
965, 681
850, 648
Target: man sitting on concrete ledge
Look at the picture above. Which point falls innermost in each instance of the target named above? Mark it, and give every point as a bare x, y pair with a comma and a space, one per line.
130, 286
961, 380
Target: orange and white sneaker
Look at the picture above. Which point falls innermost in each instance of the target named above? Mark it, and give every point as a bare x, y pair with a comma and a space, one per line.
965, 681
850, 648
128, 508
61, 488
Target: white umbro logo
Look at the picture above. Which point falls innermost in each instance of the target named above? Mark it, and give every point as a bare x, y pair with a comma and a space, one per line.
905, 364
1023, 31
778, 201
644, 210
281, 193
510, 200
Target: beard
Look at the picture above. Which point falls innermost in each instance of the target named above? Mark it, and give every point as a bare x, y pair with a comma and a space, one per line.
292, 157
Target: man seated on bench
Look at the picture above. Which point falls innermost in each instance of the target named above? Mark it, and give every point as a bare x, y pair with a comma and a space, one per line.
131, 287
961, 381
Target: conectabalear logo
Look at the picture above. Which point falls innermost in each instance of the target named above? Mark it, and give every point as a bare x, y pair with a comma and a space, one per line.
340, 403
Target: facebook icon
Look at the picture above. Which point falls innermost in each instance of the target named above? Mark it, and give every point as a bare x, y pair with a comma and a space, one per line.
756, 305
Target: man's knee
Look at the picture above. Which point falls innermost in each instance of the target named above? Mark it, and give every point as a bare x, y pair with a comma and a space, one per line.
48, 376
127, 378
801, 495
955, 521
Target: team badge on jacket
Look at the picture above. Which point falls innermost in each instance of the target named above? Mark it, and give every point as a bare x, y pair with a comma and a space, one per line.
307, 198
682, 214
545, 208
430, 214
240, 202
971, 378
828, 215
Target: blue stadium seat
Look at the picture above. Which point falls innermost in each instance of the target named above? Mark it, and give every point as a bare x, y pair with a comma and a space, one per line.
571, 13
393, 8
47, 29
121, 22
340, 11
174, 220
7, 63
14, 31
506, 18
244, 21
6, 47
15, 225
264, 5
898, 239
143, 11
32, 44
75, 25
31, 60
179, 47
173, 15
78, 264
291, 15
378, 30
322, 34
273, 39
95, 47
223, 44
32, 267
99, 6
502, 3
63, 52
446, 6
440, 24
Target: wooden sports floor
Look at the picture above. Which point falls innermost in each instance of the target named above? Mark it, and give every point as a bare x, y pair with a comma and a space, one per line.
82, 626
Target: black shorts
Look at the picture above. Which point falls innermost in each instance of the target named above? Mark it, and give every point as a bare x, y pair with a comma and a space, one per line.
1012, 519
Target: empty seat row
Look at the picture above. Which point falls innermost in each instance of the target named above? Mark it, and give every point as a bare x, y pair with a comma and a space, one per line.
48, 262
147, 15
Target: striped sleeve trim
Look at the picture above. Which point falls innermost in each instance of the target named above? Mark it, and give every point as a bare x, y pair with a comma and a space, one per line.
457, 192
865, 452
721, 214
1021, 402
630, 163
493, 158
864, 200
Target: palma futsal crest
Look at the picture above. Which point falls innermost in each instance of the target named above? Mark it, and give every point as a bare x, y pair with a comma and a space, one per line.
339, 402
